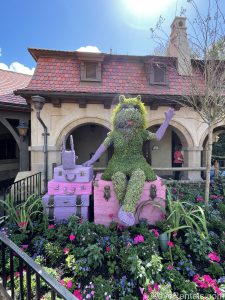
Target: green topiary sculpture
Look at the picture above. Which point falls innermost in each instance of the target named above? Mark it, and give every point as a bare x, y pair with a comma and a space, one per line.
128, 168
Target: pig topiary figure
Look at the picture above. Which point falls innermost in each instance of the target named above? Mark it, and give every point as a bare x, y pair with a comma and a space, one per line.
128, 169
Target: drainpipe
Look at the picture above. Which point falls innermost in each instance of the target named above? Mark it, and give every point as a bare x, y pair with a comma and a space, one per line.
39, 102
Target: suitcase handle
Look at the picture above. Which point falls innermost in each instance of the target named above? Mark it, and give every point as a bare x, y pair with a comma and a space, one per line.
72, 179
69, 193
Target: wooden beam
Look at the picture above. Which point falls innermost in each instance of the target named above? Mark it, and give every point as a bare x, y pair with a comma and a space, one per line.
154, 105
56, 102
107, 104
82, 103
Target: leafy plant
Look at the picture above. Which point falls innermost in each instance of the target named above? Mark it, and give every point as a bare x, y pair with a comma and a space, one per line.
103, 288
53, 252
183, 215
25, 213
215, 270
94, 256
199, 247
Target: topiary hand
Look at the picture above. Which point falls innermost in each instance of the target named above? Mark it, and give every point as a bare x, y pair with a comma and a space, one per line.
169, 114
95, 157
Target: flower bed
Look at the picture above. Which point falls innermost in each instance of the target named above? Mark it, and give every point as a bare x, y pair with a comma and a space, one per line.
95, 262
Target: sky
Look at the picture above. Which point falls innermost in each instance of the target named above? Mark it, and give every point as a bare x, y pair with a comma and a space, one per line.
120, 25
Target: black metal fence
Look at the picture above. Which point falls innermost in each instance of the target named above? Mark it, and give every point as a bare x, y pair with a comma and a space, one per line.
20, 190
32, 281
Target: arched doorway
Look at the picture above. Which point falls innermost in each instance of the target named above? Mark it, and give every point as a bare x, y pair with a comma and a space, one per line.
87, 138
218, 151
9, 156
160, 153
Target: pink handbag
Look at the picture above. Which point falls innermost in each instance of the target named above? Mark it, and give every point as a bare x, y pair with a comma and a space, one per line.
68, 156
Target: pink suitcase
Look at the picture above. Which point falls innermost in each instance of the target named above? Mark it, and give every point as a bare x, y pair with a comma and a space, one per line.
78, 174
106, 206
69, 188
62, 207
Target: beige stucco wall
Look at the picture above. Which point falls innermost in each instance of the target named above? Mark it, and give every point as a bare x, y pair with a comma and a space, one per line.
62, 121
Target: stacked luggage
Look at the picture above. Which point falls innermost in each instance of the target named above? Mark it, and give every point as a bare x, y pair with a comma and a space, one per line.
70, 189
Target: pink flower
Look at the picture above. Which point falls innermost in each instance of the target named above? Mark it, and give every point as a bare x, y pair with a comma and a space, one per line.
72, 237
213, 257
170, 267
139, 239
129, 245
170, 244
218, 291
141, 290
156, 287
24, 246
156, 233
120, 227
108, 249
145, 297
52, 226
69, 284
205, 282
174, 234
17, 274
150, 289
200, 199
111, 216
213, 196
77, 294
62, 282
66, 250
22, 224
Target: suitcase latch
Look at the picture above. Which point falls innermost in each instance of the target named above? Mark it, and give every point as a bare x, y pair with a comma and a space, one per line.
107, 193
69, 193
153, 191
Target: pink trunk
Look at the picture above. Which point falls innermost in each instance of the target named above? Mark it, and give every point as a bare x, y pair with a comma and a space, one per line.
69, 188
106, 211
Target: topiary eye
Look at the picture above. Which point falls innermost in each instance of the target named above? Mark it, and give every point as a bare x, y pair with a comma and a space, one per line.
124, 107
136, 107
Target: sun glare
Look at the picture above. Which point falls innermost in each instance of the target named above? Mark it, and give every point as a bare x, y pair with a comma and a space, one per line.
147, 7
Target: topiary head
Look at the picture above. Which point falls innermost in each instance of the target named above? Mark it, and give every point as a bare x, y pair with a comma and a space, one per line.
129, 114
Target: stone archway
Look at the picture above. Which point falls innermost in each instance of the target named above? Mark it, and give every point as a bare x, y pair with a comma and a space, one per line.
182, 132
88, 134
66, 131
162, 152
220, 128
9, 156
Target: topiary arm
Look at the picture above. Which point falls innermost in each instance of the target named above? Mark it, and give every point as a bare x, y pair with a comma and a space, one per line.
102, 148
160, 132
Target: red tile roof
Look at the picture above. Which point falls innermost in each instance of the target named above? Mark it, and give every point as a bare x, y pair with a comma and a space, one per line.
59, 71
10, 81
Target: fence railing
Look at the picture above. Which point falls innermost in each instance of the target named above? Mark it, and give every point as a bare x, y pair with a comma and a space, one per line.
22, 189
17, 265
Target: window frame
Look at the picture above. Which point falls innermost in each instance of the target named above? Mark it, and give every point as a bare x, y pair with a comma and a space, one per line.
84, 77
152, 74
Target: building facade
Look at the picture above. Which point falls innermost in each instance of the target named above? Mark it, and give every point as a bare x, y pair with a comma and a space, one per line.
81, 90
14, 112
